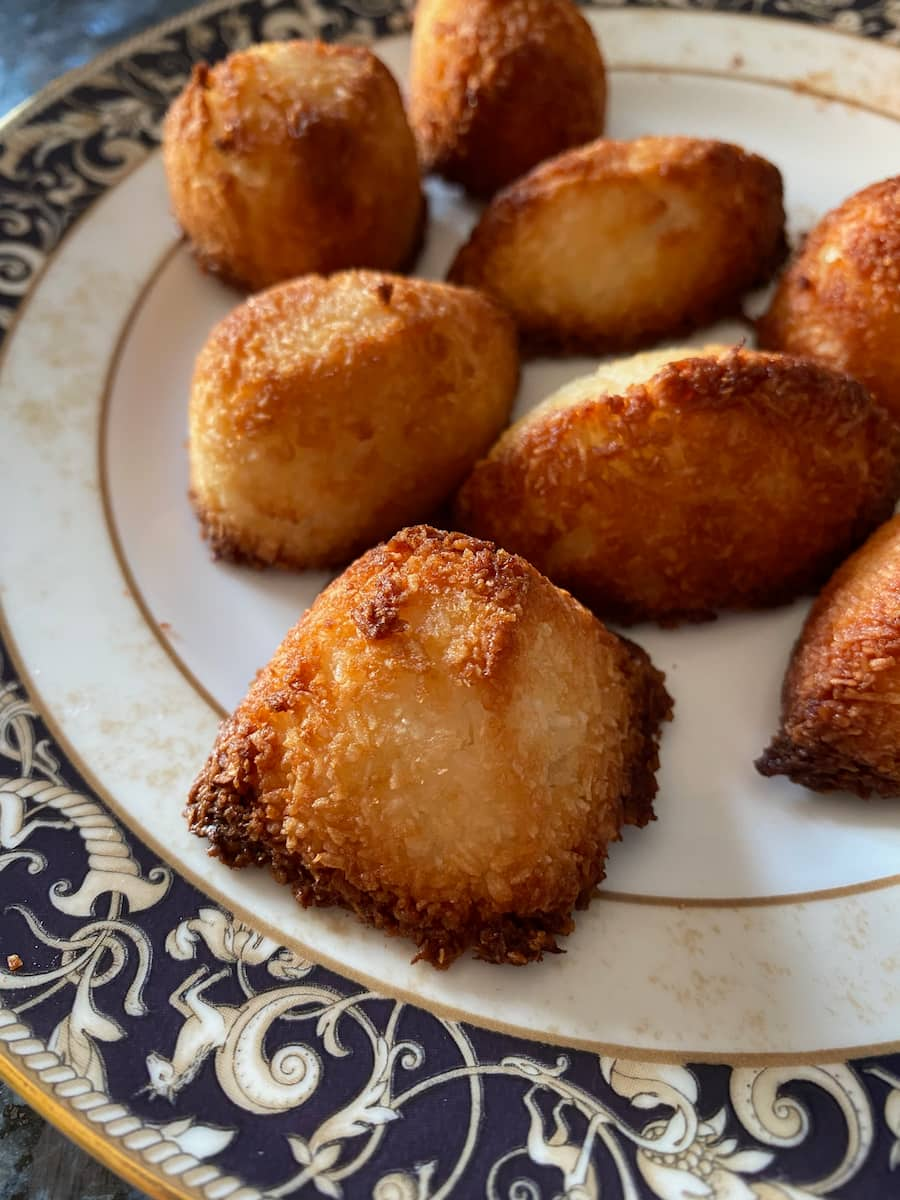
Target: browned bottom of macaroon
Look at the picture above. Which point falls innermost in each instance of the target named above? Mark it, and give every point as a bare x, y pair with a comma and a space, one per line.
505, 938
223, 810
440, 937
225, 545
822, 770
612, 610
655, 705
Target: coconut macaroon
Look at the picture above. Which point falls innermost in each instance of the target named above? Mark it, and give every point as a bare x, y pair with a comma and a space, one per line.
839, 301
497, 86
292, 157
326, 412
840, 725
683, 481
617, 244
445, 744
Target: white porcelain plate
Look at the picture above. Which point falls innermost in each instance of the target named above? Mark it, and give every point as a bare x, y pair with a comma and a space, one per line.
753, 923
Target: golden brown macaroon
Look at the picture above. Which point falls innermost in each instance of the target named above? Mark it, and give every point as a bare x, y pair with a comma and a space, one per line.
840, 723
839, 300
445, 744
326, 412
682, 481
497, 86
617, 244
292, 157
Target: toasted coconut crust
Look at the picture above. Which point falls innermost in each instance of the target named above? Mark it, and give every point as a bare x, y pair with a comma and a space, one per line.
326, 412
652, 705
617, 244
840, 722
839, 300
497, 86
726, 478
220, 537
445, 744
294, 157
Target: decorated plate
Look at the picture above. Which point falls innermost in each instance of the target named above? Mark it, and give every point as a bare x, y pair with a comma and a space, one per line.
725, 1021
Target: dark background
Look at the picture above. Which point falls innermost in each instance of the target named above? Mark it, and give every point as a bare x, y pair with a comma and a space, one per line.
43, 38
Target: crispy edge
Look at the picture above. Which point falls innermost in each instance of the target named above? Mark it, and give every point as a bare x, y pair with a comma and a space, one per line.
652, 706
226, 545
223, 807
823, 770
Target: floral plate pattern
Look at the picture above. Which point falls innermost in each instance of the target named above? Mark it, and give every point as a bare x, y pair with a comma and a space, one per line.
200, 1058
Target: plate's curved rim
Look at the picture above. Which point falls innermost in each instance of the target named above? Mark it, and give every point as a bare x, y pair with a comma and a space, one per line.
79, 1129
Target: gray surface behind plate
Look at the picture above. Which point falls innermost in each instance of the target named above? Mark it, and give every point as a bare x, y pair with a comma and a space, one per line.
44, 38
38, 1163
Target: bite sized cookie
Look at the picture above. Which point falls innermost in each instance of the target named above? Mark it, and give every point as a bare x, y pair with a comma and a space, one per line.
839, 300
291, 157
446, 744
497, 86
326, 412
840, 721
617, 244
679, 482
